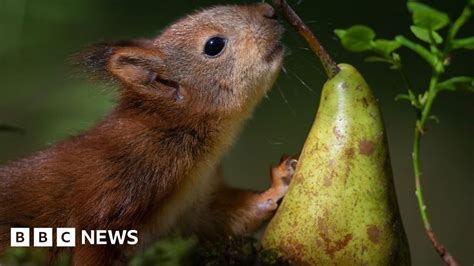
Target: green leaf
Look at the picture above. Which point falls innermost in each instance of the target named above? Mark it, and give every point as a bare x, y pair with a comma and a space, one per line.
422, 98
396, 57
457, 83
424, 35
466, 43
434, 118
402, 96
411, 97
375, 59
357, 38
427, 17
340, 33
385, 47
396, 61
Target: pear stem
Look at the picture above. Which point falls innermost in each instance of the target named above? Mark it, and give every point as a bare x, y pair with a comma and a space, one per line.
329, 64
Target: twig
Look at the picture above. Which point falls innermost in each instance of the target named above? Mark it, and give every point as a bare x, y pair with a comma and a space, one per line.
419, 129
423, 116
329, 65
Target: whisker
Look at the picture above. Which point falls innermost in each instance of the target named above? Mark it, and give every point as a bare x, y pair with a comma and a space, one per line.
274, 142
292, 111
302, 82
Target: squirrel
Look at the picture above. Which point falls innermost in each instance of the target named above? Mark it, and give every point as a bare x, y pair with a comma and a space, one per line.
152, 163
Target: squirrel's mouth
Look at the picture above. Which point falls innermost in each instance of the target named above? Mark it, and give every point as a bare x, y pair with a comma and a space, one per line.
275, 52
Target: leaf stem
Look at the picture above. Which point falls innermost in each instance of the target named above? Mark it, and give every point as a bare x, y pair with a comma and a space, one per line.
329, 64
462, 42
417, 48
460, 21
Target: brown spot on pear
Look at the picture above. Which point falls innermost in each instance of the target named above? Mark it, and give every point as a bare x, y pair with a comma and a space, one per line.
366, 147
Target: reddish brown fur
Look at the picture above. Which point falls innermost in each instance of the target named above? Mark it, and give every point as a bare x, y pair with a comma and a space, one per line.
146, 166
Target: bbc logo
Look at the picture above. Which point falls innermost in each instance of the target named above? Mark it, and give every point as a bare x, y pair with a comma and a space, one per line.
42, 237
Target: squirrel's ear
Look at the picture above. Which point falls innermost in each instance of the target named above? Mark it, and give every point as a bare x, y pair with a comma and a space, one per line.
136, 66
134, 63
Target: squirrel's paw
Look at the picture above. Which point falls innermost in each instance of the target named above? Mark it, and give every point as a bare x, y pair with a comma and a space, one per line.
283, 172
281, 176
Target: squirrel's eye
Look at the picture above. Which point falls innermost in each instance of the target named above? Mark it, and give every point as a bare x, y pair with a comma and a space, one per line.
214, 46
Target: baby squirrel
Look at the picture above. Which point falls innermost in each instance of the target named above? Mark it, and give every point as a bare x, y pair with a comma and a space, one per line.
151, 164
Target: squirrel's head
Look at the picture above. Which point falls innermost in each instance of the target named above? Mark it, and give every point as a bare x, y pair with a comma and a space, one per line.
222, 59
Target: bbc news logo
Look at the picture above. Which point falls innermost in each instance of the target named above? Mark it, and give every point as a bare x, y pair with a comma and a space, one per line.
66, 237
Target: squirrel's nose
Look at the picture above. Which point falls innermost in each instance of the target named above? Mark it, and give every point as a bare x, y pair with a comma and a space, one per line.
267, 11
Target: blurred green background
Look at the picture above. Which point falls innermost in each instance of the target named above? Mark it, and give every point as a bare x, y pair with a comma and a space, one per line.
37, 93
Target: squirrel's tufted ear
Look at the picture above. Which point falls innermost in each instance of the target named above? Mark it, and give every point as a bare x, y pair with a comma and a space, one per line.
136, 66
135, 63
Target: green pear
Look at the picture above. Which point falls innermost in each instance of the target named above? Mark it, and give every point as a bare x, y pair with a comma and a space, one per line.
341, 206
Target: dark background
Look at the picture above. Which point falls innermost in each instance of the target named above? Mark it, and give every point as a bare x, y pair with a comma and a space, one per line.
38, 94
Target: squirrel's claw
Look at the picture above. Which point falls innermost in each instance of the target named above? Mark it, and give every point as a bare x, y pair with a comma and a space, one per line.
281, 176
283, 172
